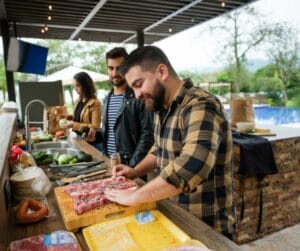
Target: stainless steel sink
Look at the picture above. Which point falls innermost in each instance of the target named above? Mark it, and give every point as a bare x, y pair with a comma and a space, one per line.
62, 144
57, 151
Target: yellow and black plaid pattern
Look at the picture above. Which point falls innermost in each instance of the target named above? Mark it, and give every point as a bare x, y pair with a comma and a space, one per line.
193, 145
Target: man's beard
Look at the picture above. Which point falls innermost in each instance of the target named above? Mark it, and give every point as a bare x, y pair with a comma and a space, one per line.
121, 81
155, 102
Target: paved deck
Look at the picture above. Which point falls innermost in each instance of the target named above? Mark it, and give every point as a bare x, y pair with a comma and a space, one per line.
285, 240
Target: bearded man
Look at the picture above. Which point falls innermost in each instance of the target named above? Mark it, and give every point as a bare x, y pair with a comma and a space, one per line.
192, 151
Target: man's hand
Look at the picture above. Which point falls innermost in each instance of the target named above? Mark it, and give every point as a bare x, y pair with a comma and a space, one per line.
123, 170
123, 197
91, 136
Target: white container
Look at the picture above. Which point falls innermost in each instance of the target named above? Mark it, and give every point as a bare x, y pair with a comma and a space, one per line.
10, 107
245, 126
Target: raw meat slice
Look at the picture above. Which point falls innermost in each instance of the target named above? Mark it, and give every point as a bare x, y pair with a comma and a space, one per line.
89, 195
58, 240
81, 207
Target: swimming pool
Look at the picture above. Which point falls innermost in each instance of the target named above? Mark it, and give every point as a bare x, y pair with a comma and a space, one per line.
275, 115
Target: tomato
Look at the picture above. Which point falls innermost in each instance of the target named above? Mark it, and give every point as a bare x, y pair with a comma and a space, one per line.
59, 134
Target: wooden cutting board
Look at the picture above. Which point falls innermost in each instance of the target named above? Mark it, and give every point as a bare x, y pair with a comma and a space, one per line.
260, 132
73, 221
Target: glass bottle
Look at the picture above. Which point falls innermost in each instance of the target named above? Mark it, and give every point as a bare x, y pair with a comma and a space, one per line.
115, 159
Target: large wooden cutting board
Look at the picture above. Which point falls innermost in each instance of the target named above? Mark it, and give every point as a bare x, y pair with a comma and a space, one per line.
73, 221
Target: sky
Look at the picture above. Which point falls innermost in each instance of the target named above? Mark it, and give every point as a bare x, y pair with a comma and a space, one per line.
198, 49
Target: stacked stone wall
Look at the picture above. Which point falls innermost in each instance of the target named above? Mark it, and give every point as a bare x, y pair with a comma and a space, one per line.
281, 194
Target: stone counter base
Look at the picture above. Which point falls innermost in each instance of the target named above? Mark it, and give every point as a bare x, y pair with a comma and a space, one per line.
281, 194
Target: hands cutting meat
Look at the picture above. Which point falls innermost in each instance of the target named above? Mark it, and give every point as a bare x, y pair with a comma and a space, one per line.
90, 195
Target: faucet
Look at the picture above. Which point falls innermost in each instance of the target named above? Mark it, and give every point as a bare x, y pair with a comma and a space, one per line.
27, 121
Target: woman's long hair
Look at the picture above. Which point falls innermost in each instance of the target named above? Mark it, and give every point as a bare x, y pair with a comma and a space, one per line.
87, 85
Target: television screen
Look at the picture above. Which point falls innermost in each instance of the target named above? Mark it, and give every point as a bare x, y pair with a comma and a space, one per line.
26, 57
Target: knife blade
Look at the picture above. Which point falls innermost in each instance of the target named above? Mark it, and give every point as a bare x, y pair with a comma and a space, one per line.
72, 179
76, 172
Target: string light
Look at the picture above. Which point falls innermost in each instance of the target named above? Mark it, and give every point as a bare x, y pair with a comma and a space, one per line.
223, 4
170, 30
46, 28
42, 31
49, 18
50, 7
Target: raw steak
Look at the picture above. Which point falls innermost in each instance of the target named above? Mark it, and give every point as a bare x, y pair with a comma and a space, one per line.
59, 241
90, 195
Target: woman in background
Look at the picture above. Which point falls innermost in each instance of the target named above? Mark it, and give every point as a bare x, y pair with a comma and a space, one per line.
87, 112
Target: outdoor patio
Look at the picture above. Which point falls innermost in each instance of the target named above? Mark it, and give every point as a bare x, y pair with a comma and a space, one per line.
284, 240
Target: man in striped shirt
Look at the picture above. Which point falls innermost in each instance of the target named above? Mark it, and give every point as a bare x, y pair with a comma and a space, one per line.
192, 153
127, 126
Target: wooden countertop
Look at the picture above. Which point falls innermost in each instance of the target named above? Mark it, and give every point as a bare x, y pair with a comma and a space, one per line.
187, 222
282, 132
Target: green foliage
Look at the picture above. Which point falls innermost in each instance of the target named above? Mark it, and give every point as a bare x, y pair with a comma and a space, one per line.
284, 52
275, 98
89, 55
195, 77
265, 79
229, 75
104, 85
97, 61
224, 76
2, 78
294, 101
240, 41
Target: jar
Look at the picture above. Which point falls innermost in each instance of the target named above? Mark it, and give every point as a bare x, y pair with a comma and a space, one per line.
115, 159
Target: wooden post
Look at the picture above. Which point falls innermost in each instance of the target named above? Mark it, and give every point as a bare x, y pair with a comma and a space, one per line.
9, 75
140, 38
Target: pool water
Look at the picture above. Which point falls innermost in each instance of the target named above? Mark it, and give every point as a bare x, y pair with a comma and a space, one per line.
275, 115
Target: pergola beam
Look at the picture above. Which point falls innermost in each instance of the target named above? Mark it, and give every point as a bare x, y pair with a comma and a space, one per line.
166, 18
88, 18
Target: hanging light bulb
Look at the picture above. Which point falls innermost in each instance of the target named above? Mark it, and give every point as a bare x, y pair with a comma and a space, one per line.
170, 30
46, 28
49, 18
50, 7
223, 4
42, 31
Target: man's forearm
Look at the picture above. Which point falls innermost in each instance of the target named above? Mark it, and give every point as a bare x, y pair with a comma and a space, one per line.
146, 165
156, 189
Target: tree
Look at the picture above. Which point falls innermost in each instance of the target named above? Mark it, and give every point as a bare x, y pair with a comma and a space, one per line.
241, 39
195, 77
61, 54
284, 52
96, 59
3, 86
89, 55
266, 79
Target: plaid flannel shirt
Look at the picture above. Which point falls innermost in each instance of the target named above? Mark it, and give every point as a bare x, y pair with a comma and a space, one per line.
193, 145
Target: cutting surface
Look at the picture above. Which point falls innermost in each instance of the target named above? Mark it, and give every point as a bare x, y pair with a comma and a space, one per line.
128, 234
73, 221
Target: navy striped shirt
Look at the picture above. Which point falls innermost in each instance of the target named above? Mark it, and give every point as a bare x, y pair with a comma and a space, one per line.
114, 104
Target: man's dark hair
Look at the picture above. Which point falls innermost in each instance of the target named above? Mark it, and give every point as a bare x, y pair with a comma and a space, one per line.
148, 57
116, 52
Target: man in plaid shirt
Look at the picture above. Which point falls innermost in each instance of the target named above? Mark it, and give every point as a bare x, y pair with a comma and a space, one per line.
192, 153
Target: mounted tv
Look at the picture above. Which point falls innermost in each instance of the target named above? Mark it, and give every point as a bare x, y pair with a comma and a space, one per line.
26, 57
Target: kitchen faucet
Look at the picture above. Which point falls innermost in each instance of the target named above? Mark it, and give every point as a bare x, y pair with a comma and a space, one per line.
27, 120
